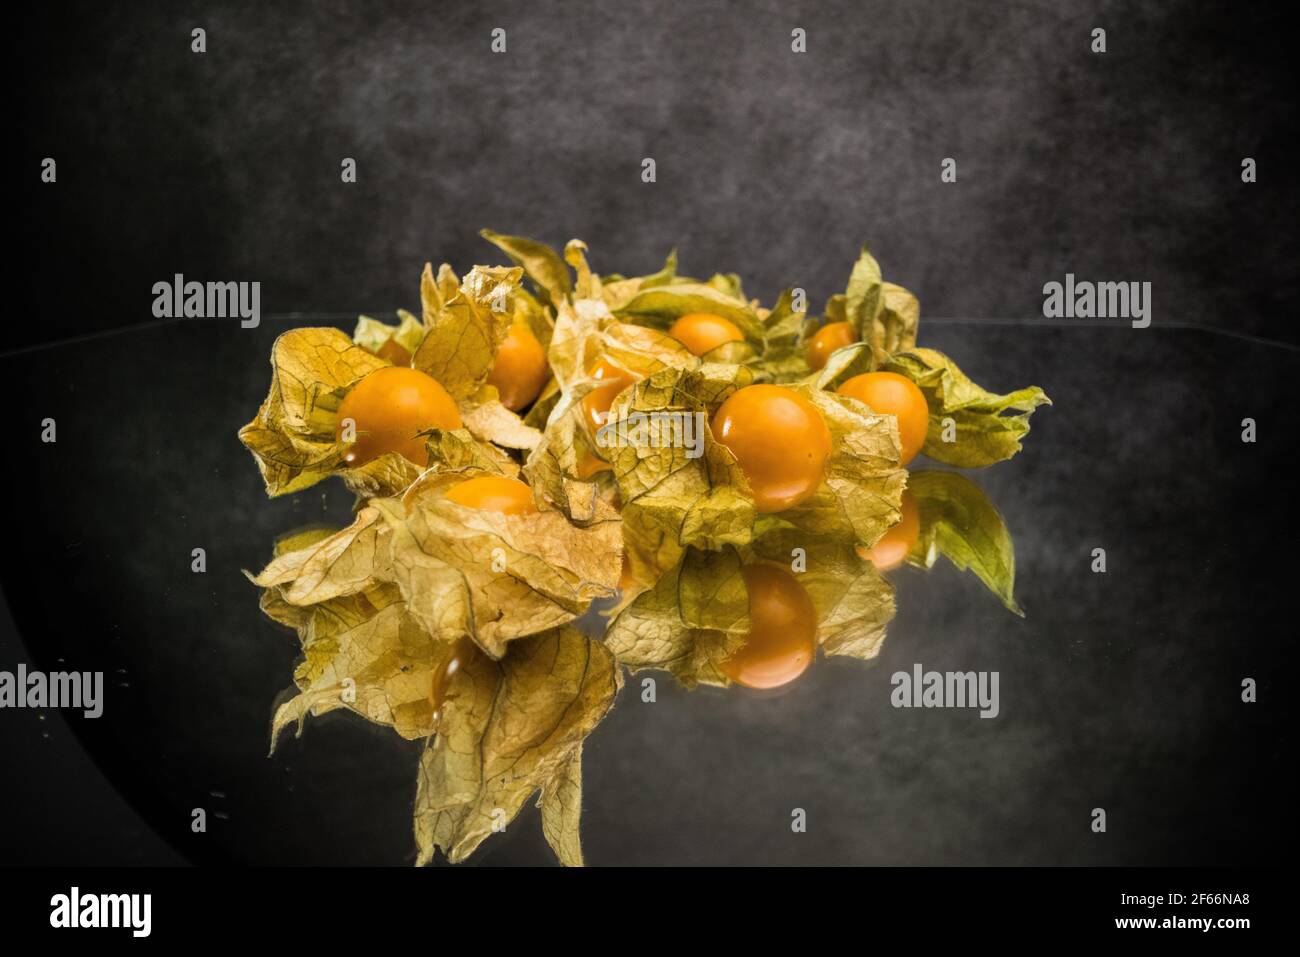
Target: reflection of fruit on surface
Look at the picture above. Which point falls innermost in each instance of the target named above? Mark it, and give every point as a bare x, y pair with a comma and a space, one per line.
780, 440
892, 548
889, 393
463, 652
389, 409
614, 379
832, 336
494, 493
782, 639
520, 370
394, 352
703, 331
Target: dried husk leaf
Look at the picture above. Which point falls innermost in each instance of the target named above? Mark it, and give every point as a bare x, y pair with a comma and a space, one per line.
561, 804
772, 348
694, 617
864, 298
293, 436
783, 356
960, 523
883, 315
854, 602
617, 290
495, 578
861, 496
989, 427
895, 327
672, 501
373, 335
464, 331
370, 657
361, 650
457, 450
507, 729
489, 420
565, 464
660, 306
341, 564
558, 470
540, 262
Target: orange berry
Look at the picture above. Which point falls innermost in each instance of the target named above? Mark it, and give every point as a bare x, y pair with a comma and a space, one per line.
520, 370
832, 336
702, 332
462, 654
893, 547
782, 639
889, 393
780, 441
389, 409
494, 493
614, 379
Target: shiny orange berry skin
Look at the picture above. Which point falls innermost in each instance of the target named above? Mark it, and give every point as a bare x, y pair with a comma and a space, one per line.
494, 493
894, 546
614, 379
390, 408
889, 393
782, 639
462, 654
590, 465
780, 441
832, 336
520, 370
703, 332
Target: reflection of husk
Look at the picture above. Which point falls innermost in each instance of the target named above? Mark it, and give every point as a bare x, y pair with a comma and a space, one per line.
959, 522
696, 614
504, 729
507, 729
382, 606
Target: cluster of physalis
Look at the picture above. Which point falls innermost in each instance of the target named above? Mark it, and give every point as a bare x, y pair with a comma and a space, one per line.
730, 478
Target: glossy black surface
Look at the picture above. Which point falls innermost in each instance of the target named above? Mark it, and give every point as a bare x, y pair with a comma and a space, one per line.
1119, 690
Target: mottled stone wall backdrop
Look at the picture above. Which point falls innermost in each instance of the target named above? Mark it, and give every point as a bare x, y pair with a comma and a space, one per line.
226, 165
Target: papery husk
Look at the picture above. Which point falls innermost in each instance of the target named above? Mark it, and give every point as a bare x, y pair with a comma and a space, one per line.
672, 500
495, 578
987, 428
464, 331
373, 335
506, 730
696, 615
957, 521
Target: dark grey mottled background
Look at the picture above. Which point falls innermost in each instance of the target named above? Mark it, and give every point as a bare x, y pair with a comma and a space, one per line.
226, 165
1118, 690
